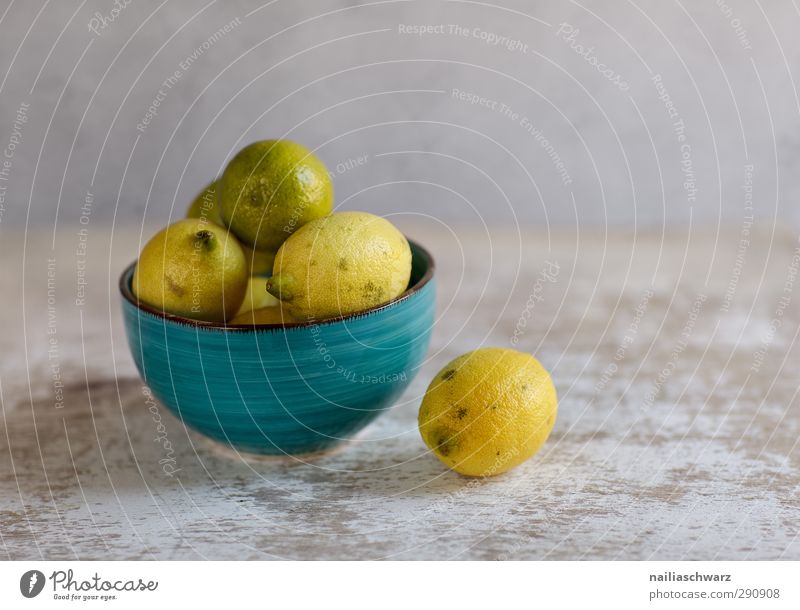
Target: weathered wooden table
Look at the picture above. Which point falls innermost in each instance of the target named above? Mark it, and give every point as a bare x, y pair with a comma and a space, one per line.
677, 435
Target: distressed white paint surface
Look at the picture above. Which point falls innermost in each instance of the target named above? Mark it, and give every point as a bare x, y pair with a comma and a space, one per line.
708, 470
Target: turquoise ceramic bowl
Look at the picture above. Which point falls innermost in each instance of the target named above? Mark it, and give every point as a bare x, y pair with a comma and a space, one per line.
292, 389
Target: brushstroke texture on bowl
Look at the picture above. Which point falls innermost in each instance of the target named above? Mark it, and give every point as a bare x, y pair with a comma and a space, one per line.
299, 388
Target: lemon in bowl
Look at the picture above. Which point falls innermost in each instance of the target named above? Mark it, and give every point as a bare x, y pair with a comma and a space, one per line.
192, 268
270, 189
340, 264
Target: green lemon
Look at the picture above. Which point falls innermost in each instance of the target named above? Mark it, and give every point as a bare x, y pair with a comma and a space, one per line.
272, 188
205, 206
340, 264
193, 268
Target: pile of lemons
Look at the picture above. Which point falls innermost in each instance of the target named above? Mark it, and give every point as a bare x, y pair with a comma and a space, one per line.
261, 245
270, 214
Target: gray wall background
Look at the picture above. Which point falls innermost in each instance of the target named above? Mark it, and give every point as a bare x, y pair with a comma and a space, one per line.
344, 79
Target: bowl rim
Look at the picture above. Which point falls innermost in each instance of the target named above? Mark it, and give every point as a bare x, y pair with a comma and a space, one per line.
127, 276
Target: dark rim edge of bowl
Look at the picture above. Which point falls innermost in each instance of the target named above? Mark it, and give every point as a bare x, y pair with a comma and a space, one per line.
131, 298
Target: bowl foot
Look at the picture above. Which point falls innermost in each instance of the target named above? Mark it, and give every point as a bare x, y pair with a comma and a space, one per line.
231, 453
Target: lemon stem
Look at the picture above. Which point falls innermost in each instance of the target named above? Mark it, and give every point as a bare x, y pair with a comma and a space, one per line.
279, 286
205, 239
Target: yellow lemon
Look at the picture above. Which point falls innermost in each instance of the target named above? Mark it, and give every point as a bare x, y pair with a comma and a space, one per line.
488, 411
205, 206
257, 296
340, 264
193, 268
270, 189
265, 315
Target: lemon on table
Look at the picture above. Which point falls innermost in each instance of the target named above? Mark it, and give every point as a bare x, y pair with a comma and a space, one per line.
265, 315
340, 264
272, 188
205, 206
257, 296
488, 411
194, 269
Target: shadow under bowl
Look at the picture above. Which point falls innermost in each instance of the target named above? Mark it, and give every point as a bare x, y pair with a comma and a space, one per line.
293, 389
